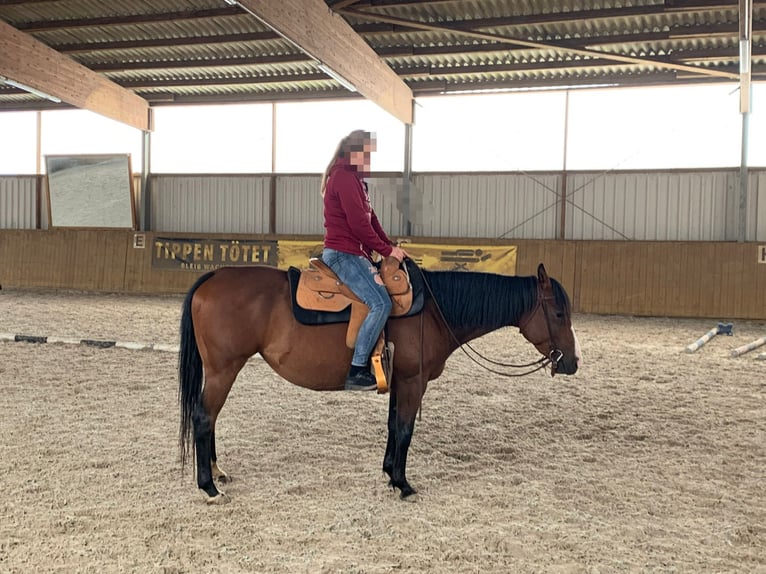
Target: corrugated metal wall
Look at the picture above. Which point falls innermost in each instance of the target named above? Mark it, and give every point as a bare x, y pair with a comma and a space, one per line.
633, 206
210, 203
659, 206
756, 201
385, 196
18, 202
487, 205
299, 204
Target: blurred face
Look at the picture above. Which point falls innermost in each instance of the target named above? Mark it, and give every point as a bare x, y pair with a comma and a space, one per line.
360, 158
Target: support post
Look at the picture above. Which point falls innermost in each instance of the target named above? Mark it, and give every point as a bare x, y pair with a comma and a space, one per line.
564, 177
406, 199
743, 187
273, 175
745, 93
146, 193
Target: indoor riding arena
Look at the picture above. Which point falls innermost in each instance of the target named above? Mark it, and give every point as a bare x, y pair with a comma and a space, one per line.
649, 458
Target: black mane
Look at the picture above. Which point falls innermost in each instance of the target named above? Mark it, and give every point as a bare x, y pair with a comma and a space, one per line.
486, 300
481, 299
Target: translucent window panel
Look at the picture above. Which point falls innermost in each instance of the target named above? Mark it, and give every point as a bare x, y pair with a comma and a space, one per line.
757, 132
489, 132
74, 132
653, 128
18, 137
309, 132
212, 139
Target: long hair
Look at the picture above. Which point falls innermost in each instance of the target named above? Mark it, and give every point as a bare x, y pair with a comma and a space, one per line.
487, 300
478, 299
352, 142
190, 373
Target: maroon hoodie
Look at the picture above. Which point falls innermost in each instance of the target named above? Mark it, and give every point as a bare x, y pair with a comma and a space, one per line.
351, 225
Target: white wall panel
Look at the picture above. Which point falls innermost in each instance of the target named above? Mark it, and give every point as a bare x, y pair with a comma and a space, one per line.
18, 202
385, 196
756, 207
299, 204
660, 206
210, 204
488, 205
653, 206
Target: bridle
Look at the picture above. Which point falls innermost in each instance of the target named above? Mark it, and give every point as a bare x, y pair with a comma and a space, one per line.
554, 355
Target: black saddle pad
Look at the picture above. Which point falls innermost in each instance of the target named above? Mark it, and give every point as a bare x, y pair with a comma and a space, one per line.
309, 317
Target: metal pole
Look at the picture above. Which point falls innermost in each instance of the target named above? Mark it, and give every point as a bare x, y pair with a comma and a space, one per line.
564, 176
39, 172
743, 178
407, 181
745, 92
146, 194
273, 175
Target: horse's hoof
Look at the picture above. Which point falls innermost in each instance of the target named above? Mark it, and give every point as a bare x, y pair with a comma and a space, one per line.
412, 496
406, 492
219, 498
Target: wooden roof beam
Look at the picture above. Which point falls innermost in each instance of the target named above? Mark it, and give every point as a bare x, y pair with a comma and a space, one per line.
327, 37
31, 63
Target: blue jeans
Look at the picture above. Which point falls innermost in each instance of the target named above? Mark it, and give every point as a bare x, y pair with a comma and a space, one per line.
362, 278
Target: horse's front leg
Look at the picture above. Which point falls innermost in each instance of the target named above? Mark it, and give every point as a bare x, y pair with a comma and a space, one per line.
388, 459
403, 407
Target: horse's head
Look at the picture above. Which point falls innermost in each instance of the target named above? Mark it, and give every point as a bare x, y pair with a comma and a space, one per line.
548, 325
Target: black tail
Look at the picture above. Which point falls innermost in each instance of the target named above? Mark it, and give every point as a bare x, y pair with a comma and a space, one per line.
189, 372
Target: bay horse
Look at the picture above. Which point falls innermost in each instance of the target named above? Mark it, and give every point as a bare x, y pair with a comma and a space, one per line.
232, 313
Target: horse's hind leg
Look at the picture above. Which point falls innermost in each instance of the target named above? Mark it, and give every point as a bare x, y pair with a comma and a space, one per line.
202, 446
214, 393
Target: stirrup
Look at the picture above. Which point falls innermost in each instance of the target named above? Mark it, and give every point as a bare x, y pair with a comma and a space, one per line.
382, 365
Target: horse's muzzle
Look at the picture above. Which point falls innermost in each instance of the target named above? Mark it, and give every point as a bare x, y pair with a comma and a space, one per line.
564, 366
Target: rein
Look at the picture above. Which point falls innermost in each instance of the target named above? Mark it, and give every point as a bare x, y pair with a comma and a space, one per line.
539, 364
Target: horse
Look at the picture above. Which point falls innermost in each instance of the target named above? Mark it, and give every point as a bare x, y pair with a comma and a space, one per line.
232, 313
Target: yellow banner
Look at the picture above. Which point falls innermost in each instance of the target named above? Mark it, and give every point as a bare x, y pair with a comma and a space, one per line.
297, 253
492, 259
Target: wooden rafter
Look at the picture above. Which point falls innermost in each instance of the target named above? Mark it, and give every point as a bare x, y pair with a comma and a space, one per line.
31, 63
329, 39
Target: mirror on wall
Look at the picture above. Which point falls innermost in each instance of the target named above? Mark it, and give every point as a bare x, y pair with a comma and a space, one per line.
90, 191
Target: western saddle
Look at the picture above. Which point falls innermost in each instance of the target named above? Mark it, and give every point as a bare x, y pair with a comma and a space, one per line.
320, 289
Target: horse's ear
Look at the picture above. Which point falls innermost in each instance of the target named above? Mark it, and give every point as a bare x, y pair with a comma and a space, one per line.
542, 275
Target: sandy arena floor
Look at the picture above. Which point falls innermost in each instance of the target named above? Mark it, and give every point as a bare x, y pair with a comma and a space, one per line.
648, 460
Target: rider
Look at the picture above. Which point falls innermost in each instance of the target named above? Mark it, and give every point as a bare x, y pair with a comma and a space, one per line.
352, 233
